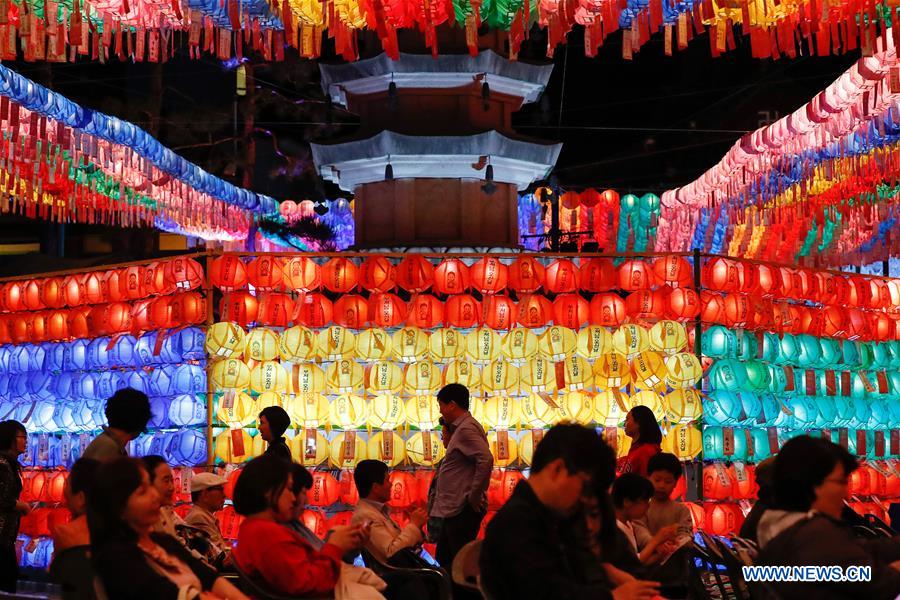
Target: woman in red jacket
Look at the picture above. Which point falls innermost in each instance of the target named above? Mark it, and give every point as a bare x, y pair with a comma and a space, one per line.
642, 428
275, 554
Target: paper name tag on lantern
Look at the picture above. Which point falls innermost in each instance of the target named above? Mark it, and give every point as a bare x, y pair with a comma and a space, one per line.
32, 545
387, 446
426, 446
844, 438
789, 378
502, 445
866, 383
43, 447
728, 441
228, 401
895, 80
348, 450
560, 368
536, 436
237, 442
830, 383
311, 445
83, 441
65, 449
773, 440
186, 475
740, 472
810, 382
722, 474
751, 444
861, 443
846, 383
881, 379
879, 444
745, 505
895, 441
548, 399
27, 416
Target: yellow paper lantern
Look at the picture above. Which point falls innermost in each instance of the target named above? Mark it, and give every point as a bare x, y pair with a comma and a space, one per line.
577, 407
500, 377
416, 448
631, 340
383, 377
335, 343
266, 400
501, 412
268, 376
374, 344
519, 345
305, 378
668, 337
464, 373
225, 340
308, 410
446, 344
612, 371
346, 456
504, 454
234, 446
348, 411
648, 371
538, 412
620, 441
476, 408
388, 447
557, 343
651, 400
683, 405
527, 444
309, 448
344, 376
683, 370
230, 374
297, 344
386, 411
483, 345
239, 414
258, 446
684, 441
610, 408
578, 373
423, 412
410, 344
537, 375
422, 378
262, 345
593, 342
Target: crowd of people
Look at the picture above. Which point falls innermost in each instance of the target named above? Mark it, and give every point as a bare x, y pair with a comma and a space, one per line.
573, 529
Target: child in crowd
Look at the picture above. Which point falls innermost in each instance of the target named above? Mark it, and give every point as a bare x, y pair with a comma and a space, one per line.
631, 498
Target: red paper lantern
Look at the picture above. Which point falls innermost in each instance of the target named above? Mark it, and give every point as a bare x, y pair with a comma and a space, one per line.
78, 321
610, 197
239, 307
35, 524
738, 310
646, 304
675, 271
489, 275
451, 277
680, 490
858, 482
683, 304
571, 310
22, 328
881, 327
869, 508
712, 307
878, 483
590, 198
351, 311
723, 519
130, 283
762, 313
765, 280
183, 273
855, 324
52, 292
534, 311
316, 521
33, 484
340, 275
722, 274
160, 311
340, 519
561, 277
526, 275
109, 283
349, 493
785, 274
188, 308
265, 273
747, 488
58, 325
403, 489
56, 485
325, 489
608, 309
832, 321
635, 275
31, 295
499, 312
597, 275
424, 477
881, 294
12, 297
462, 311
73, 288
485, 522
228, 273
232, 481
154, 281
111, 318
386, 310
425, 312
376, 274
302, 274
5, 335
315, 310
803, 284
415, 273
276, 310
570, 200
501, 487
714, 488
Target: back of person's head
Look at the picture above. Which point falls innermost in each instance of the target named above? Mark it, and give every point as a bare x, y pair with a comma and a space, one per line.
128, 410
262, 480
9, 430
648, 428
801, 466
764, 473
301, 480
151, 461
632, 487
668, 463
82, 475
456, 393
581, 450
114, 482
368, 473
278, 420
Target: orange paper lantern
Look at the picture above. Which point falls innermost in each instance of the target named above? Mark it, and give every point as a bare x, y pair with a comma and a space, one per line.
386, 310
425, 312
52, 292
314, 310
499, 312
183, 273
240, 307
228, 273
712, 307
571, 310
325, 489
608, 310
597, 275
12, 299
451, 277
526, 275
415, 273
302, 274
276, 309
646, 304
403, 489
376, 274
721, 274
78, 320
534, 311
462, 311
683, 304
351, 311
266, 273
489, 275
561, 277
130, 279
31, 295
340, 275
635, 275
675, 271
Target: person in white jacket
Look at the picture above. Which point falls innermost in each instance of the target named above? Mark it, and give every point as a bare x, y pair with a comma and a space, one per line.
386, 538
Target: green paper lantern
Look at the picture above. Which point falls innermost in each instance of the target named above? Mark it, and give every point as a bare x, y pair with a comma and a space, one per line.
728, 374
719, 342
789, 350
758, 377
810, 351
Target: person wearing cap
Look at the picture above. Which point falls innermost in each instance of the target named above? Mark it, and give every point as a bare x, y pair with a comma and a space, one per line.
127, 415
208, 496
273, 422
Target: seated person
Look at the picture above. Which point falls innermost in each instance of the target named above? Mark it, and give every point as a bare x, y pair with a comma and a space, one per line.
805, 528
302, 482
631, 495
132, 561
163, 480
528, 547
208, 496
75, 532
273, 553
386, 538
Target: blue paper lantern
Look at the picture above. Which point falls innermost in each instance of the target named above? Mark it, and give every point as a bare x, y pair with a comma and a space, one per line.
189, 448
54, 355
844, 411
760, 441
728, 374
4, 357
879, 414
770, 348
98, 413
106, 384
827, 412
64, 417
866, 355
97, 354
861, 413
159, 409
84, 385
191, 343
810, 350
160, 442
788, 350
187, 410
62, 384
189, 379
83, 416
881, 356
721, 408
804, 410
719, 342
831, 353
161, 381
894, 349
42, 416
75, 357
144, 350
122, 352
136, 380
850, 352
18, 386
19, 360
36, 357
40, 385
747, 347
893, 403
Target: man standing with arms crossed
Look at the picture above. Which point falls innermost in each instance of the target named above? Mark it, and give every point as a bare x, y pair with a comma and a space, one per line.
463, 478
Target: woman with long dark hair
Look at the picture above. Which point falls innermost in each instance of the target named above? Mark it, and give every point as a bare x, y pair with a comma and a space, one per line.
646, 437
13, 442
133, 562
